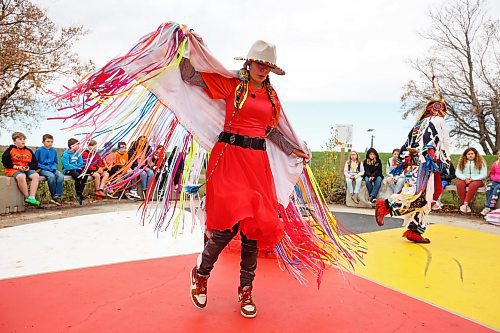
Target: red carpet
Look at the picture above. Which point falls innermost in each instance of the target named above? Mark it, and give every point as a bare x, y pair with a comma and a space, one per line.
152, 296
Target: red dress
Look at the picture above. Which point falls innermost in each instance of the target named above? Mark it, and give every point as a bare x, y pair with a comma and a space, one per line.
241, 187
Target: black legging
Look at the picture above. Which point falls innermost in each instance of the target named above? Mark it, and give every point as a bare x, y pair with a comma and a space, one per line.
79, 182
218, 242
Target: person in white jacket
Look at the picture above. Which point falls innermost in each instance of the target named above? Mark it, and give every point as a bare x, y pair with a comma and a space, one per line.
394, 182
354, 171
471, 171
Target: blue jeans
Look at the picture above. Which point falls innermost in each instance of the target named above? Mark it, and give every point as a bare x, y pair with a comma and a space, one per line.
492, 193
375, 187
146, 178
397, 186
55, 180
357, 185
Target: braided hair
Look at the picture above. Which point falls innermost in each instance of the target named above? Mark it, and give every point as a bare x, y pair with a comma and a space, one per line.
273, 97
241, 94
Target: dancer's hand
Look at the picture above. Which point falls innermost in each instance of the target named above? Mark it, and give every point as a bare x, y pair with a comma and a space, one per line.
299, 153
196, 35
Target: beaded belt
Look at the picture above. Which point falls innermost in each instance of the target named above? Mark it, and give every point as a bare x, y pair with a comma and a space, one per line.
243, 141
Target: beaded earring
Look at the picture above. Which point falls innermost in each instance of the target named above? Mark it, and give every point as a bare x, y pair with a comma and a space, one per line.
243, 74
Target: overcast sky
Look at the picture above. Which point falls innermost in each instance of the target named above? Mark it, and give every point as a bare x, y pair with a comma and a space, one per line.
334, 52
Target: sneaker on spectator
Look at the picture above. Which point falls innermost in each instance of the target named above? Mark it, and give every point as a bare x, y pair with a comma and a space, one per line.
130, 196
467, 209
32, 201
247, 306
485, 211
198, 289
437, 205
463, 208
112, 195
100, 193
79, 199
56, 201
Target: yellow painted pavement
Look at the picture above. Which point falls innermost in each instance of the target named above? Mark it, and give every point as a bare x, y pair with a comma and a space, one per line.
458, 271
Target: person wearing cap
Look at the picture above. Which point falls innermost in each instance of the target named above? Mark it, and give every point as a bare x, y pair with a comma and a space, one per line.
238, 170
421, 159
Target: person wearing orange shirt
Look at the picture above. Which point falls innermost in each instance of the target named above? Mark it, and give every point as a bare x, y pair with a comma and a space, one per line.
20, 162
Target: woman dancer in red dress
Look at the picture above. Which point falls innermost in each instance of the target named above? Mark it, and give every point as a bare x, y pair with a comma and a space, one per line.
240, 194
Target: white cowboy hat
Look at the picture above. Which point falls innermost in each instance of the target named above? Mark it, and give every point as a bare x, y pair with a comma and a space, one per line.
264, 53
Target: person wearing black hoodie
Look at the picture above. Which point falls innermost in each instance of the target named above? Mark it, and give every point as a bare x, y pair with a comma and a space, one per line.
373, 173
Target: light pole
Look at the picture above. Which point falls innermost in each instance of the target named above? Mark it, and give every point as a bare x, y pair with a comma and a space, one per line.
370, 130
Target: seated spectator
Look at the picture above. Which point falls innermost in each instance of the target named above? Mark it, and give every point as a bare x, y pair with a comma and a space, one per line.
47, 164
20, 163
471, 171
373, 173
394, 182
95, 168
493, 188
118, 162
72, 165
447, 175
138, 152
178, 167
109, 159
157, 164
354, 171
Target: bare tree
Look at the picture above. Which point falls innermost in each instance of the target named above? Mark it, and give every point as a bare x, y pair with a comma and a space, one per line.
465, 56
34, 52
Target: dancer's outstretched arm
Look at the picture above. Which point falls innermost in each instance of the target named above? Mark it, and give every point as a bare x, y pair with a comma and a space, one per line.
191, 75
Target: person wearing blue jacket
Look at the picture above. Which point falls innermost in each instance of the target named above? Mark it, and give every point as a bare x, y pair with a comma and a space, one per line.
47, 163
72, 163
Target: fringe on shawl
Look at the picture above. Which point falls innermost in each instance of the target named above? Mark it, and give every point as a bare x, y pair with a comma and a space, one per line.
112, 104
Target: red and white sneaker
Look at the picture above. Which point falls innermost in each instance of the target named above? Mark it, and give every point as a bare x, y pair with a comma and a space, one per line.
248, 308
198, 290
415, 237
